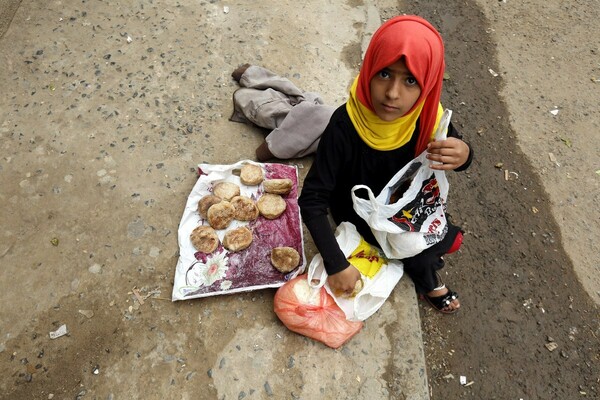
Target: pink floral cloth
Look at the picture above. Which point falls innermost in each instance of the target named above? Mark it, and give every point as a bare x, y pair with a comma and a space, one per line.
200, 275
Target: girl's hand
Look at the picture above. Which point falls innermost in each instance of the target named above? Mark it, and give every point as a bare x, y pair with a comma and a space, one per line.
343, 282
451, 153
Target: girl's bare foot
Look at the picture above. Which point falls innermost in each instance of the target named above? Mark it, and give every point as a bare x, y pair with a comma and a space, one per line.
239, 71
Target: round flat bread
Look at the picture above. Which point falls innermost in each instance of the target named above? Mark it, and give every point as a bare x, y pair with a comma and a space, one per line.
205, 239
358, 286
271, 206
285, 259
237, 239
205, 203
251, 174
245, 208
226, 190
220, 215
278, 186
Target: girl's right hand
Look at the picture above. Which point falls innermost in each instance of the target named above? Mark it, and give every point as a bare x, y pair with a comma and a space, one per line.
343, 282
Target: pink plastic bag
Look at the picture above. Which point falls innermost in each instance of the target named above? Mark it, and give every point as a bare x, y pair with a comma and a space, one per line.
313, 313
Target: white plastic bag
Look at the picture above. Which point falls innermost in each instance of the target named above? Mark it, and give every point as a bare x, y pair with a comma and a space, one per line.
375, 290
417, 220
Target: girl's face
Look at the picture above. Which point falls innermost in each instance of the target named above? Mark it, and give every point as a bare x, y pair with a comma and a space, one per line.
394, 91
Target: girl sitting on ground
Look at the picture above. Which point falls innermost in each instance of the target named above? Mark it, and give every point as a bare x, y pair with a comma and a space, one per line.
389, 119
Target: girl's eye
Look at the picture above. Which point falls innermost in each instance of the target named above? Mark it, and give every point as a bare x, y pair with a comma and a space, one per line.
384, 74
411, 80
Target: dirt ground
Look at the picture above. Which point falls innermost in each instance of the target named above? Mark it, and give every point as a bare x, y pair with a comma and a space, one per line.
82, 118
516, 273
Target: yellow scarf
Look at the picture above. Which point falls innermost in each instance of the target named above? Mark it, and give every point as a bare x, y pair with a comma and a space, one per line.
379, 134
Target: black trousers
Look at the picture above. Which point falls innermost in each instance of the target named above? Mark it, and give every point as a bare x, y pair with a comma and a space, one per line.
422, 267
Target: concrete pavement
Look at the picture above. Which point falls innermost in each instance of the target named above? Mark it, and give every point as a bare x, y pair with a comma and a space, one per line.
7, 11
100, 137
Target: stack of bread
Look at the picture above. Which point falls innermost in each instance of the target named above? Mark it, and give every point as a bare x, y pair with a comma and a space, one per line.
226, 204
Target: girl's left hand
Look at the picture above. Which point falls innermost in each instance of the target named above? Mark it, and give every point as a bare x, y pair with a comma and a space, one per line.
449, 154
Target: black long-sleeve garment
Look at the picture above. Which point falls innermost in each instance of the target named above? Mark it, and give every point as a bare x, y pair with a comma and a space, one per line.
342, 161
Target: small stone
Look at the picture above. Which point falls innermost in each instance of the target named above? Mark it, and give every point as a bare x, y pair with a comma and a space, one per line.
551, 346
168, 358
54, 241
136, 229
154, 252
95, 269
268, 389
87, 313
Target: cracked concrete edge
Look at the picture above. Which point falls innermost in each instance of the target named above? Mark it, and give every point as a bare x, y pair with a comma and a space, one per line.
409, 357
409, 353
8, 8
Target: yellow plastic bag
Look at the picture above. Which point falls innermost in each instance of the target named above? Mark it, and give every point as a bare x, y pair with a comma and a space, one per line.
366, 259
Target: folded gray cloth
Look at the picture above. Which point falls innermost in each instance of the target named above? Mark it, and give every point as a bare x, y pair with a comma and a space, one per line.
296, 118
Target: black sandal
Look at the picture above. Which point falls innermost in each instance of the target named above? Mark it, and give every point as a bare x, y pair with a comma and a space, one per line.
440, 303
443, 301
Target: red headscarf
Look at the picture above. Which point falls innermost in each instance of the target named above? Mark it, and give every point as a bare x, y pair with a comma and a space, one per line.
422, 47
